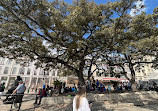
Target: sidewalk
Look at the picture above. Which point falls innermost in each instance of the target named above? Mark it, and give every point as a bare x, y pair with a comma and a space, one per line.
27, 105
28, 101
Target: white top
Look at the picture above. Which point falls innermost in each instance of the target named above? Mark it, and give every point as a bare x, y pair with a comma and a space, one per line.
84, 105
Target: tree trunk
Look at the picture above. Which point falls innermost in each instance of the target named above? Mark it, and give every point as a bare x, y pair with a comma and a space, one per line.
80, 73
132, 73
132, 80
81, 79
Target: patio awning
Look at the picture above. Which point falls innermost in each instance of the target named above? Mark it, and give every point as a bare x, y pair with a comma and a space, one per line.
114, 79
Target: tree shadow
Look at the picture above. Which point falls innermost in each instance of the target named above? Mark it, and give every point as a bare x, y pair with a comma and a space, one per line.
99, 106
142, 100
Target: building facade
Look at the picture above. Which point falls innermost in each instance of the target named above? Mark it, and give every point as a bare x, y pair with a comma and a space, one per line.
146, 70
32, 76
143, 72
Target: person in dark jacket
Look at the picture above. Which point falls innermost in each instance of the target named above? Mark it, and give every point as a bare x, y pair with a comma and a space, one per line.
13, 87
2, 87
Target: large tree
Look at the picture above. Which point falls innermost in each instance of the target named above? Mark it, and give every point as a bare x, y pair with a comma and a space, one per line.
134, 38
60, 34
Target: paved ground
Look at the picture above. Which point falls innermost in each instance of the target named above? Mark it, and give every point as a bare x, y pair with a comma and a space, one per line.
130, 107
29, 100
27, 105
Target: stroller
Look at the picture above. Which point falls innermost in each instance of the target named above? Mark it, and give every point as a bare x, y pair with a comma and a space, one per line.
10, 91
9, 98
13, 100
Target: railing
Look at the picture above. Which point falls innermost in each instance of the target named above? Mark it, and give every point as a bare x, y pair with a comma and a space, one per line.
13, 98
15, 94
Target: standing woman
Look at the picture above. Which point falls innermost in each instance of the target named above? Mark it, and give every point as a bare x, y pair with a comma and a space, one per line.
80, 102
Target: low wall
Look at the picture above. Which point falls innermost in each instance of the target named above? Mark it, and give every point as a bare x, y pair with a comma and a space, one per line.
129, 97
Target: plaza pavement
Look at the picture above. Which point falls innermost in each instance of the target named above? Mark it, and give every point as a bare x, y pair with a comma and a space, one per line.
28, 106
28, 101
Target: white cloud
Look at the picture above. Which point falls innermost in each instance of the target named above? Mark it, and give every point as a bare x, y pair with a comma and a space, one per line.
138, 4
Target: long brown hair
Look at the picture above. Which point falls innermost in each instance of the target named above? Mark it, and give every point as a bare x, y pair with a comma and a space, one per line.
81, 93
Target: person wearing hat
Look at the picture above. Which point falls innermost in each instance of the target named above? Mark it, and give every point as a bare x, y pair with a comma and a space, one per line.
20, 93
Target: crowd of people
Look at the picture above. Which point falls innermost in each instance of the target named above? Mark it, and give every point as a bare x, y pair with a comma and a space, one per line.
91, 85
95, 85
148, 86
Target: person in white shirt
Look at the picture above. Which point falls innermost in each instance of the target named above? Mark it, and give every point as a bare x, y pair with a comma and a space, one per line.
20, 93
80, 102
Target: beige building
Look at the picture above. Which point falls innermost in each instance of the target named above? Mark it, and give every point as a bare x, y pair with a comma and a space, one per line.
10, 69
146, 70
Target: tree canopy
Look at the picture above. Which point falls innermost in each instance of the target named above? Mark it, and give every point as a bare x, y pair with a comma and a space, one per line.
74, 35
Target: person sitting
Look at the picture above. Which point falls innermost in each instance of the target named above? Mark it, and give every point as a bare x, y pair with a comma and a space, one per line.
40, 95
105, 88
70, 89
62, 90
109, 88
75, 89
20, 93
80, 102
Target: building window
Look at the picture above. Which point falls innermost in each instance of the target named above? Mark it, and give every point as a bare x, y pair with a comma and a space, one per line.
21, 71
17, 62
53, 73
35, 73
8, 62
6, 69
46, 72
41, 72
145, 74
0, 69
14, 70
2, 60
30, 63
3, 78
28, 71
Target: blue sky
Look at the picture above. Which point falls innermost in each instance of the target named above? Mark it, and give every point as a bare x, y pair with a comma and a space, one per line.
150, 4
